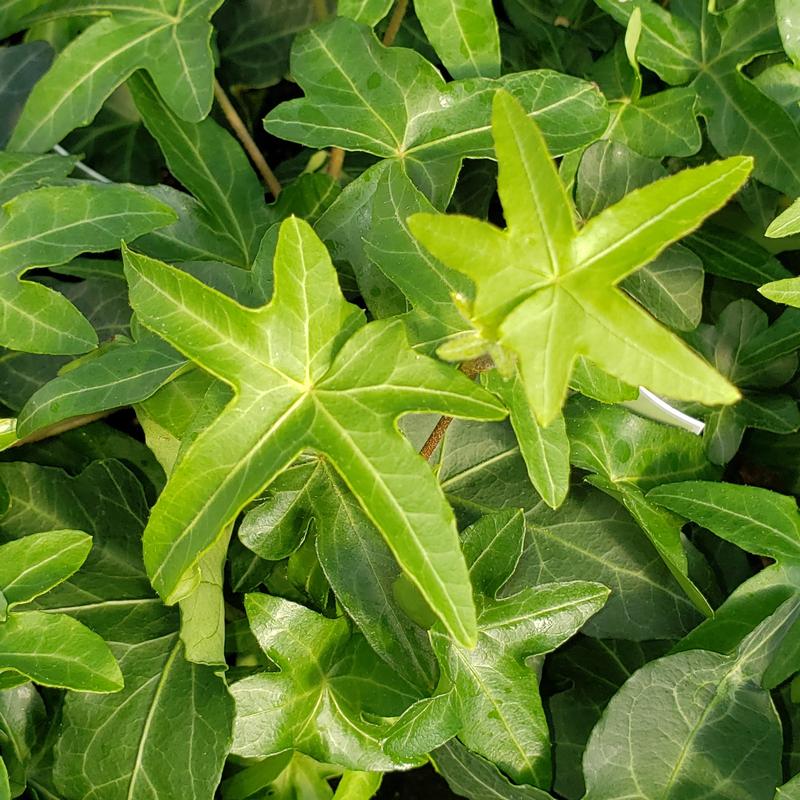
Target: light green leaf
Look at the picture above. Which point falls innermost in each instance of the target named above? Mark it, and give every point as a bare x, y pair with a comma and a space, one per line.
787, 223
363, 96
788, 18
306, 375
494, 692
315, 704
358, 785
210, 163
35, 564
464, 34
790, 790
50, 226
56, 650
170, 41
203, 611
545, 449
5, 789
786, 291
542, 281
723, 728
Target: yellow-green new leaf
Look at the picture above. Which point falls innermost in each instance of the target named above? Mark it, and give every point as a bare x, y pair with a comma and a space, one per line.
546, 292
307, 374
786, 291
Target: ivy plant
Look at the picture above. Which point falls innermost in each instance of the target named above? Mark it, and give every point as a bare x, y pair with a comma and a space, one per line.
399, 398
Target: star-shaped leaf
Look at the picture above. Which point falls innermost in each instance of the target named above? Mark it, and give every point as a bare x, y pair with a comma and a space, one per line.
393, 103
50, 226
328, 679
546, 293
488, 696
706, 50
307, 374
171, 39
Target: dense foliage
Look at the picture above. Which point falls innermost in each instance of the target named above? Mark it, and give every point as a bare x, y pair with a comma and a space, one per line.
399, 384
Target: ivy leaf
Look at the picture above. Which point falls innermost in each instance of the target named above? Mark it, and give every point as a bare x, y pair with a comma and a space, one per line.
51, 649
729, 254
111, 595
21, 66
545, 449
628, 455
306, 375
594, 669
671, 286
491, 689
742, 327
656, 125
315, 704
761, 522
122, 374
469, 775
209, 162
757, 520
171, 42
542, 281
55, 650
254, 38
707, 50
35, 564
49, 226
365, 578
705, 701
464, 34
20, 172
593, 537
22, 717
427, 283
389, 115
789, 790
